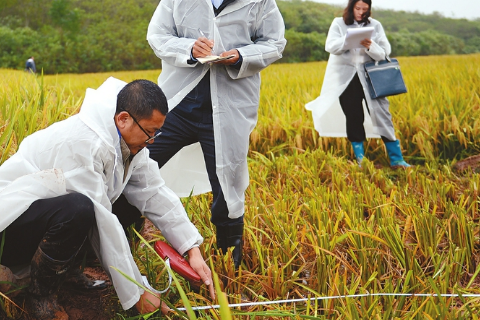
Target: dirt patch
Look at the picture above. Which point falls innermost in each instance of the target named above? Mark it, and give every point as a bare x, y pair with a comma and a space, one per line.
149, 231
84, 304
90, 304
79, 304
471, 162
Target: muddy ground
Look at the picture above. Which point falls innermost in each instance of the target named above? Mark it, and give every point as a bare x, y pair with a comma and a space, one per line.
470, 163
79, 304
85, 304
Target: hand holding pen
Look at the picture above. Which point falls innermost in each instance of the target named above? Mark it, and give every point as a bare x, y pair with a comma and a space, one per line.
203, 46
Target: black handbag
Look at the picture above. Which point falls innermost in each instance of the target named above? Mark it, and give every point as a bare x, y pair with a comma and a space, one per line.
384, 78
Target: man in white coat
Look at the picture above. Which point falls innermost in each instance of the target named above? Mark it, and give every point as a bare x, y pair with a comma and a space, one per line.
214, 105
60, 186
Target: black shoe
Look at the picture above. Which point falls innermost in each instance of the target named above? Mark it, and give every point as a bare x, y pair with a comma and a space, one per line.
78, 280
231, 236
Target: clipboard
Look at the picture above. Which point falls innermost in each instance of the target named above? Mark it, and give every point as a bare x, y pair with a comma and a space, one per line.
355, 35
210, 59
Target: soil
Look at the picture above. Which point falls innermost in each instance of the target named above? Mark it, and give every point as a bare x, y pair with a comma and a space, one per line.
80, 304
90, 304
87, 304
471, 162
149, 231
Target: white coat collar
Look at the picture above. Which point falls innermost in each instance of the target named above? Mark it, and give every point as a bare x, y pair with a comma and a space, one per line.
358, 25
238, 4
98, 110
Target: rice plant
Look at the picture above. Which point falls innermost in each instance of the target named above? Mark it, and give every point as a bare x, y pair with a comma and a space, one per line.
317, 225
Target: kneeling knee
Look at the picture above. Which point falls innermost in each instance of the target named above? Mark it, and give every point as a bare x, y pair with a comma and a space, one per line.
82, 210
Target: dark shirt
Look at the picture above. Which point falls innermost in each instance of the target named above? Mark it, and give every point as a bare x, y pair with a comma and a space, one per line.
222, 6
30, 66
197, 104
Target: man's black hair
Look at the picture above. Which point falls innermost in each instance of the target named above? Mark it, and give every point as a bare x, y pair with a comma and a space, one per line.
140, 98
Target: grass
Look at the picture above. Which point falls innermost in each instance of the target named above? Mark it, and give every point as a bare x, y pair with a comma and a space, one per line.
316, 224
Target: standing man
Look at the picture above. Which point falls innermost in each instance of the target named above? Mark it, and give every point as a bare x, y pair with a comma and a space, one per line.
30, 65
63, 184
214, 104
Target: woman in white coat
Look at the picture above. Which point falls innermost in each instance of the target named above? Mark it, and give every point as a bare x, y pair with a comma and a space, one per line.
344, 87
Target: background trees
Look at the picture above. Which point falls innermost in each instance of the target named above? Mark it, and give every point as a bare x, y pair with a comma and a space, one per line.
91, 36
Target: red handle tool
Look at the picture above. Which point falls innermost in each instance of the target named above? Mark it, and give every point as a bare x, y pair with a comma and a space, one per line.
178, 263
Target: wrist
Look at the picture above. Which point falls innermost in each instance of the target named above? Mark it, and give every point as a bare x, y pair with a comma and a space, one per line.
194, 252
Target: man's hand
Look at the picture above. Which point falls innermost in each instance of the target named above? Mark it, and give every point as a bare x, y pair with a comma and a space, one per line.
231, 60
198, 264
202, 48
149, 303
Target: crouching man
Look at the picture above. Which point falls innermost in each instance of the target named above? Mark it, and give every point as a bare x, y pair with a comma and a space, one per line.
58, 190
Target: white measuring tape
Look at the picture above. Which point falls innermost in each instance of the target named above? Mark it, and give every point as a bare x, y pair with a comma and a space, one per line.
448, 295
270, 302
149, 287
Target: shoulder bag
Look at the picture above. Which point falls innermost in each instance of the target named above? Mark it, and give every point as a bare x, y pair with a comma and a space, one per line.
384, 78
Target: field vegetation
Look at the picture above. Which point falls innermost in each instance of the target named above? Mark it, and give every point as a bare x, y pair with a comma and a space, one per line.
317, 225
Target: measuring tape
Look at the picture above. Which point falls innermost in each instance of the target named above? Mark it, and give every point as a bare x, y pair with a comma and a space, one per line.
149, 287
181, 266
263, 303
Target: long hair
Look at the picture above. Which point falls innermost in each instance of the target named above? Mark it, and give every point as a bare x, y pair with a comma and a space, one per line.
348, 17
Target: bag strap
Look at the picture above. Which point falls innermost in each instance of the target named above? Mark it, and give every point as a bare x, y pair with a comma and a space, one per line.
386, 58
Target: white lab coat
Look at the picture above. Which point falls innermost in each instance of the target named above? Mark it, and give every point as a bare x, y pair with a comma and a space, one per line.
82, 154
256, 29
328, 117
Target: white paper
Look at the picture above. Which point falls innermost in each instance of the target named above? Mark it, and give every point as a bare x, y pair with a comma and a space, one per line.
209, 59
355, 35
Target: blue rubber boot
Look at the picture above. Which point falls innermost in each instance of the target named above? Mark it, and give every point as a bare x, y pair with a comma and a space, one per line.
395, 155
359, 151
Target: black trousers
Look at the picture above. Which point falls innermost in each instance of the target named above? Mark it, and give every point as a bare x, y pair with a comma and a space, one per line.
59, 226
177, 132
351, 102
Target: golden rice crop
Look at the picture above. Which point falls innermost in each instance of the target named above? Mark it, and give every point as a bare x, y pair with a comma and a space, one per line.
436, 119
316, 224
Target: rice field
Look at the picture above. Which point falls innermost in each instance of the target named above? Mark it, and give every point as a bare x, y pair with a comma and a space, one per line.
317, 225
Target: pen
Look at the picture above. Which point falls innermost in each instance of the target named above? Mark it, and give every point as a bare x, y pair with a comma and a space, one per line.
203, 35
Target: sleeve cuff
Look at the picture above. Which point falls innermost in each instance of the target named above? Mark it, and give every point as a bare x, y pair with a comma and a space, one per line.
237, 65
192, 60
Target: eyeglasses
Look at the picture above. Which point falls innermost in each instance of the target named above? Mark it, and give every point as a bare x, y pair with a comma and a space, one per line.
150, 138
